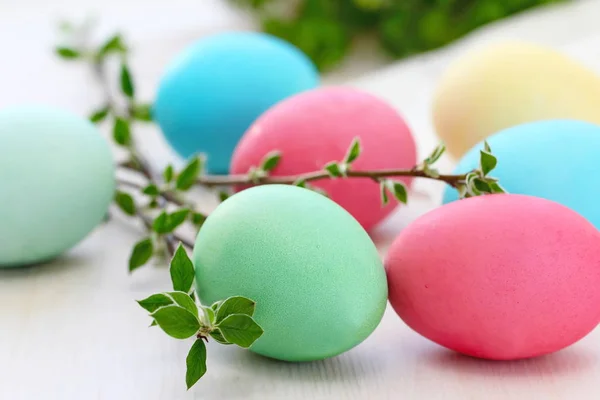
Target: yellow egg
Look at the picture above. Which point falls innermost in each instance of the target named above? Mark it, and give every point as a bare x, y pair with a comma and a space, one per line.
507, 84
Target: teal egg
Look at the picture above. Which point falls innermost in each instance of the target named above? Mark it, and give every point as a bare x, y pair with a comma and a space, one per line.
554, 159
57, 180
317, 278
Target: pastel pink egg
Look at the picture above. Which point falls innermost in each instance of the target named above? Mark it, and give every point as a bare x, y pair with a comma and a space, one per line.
499, 277
317, 126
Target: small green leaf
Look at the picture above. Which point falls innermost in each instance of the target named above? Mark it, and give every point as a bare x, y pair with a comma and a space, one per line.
142, 252
240, 329
333, 169
209, 315
122, 132
471, 188
435, 155
462, 191
142, 112
481, 185
126, 82
270, 161
300, 183
125, 202
223, 196
235, 305
151, 190
198, 219
68, 53
195, 363
487, 162
185, 301
216, 305
398, 190
113, 45
160, 223
176, 321
168, 174
100, 114
383, 192
496, 188
486, 146
177, 218
155, 301
188, 176
218, 336
353, 152
153, 323
182, 270
431, 172
153, 203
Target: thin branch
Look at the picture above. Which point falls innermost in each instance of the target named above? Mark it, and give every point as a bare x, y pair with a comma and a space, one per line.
242, 179
167, 196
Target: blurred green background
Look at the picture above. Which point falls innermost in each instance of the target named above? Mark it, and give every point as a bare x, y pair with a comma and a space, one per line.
325, 29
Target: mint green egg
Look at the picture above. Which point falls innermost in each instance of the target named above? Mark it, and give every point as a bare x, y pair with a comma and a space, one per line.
57, 180
317, 278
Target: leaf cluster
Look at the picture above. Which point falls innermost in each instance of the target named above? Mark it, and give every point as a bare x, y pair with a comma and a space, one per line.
325, 30
229, 321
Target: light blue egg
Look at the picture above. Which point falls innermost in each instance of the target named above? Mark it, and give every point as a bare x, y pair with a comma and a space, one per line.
57, 180
555, 160
213, 91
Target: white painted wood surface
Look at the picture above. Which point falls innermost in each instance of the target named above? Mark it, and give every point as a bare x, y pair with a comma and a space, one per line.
71, 330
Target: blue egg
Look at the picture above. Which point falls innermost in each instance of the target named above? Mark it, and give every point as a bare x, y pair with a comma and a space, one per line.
555, 159
212, 92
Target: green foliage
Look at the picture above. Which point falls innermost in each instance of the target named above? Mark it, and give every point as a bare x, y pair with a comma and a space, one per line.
187, 177
227, 321
100, 114
67, 53
182, 271
122, 131
270, 161
240, 329
324, 30
125, 202
195, 363
234, 305
176, 321
142, 253
126, 81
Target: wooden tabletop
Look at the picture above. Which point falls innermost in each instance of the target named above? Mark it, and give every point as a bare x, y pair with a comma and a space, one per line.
70, 329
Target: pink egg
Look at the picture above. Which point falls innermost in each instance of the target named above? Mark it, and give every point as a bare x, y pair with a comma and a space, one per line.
316, 127
499, 277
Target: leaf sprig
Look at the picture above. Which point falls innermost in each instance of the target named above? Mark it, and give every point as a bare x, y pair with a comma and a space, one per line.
179, 315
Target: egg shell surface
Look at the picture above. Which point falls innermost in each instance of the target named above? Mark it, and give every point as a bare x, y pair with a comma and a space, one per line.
57, 180
315, 127
316, 276
506, 84
216, 87
499, 277
550, 159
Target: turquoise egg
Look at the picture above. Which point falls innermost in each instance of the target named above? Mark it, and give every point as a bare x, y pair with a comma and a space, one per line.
317, 278
554, 159
57, 180
215, 88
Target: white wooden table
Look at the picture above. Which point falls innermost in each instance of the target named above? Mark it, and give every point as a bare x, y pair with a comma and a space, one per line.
71, 330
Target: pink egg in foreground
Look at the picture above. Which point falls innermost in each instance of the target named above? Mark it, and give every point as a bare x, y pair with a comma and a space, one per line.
317, 126
499, 277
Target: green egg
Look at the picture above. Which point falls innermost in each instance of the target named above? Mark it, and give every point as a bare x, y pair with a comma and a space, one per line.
57, 180
317, 278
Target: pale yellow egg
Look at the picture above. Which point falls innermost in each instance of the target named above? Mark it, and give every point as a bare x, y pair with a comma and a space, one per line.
506, 84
